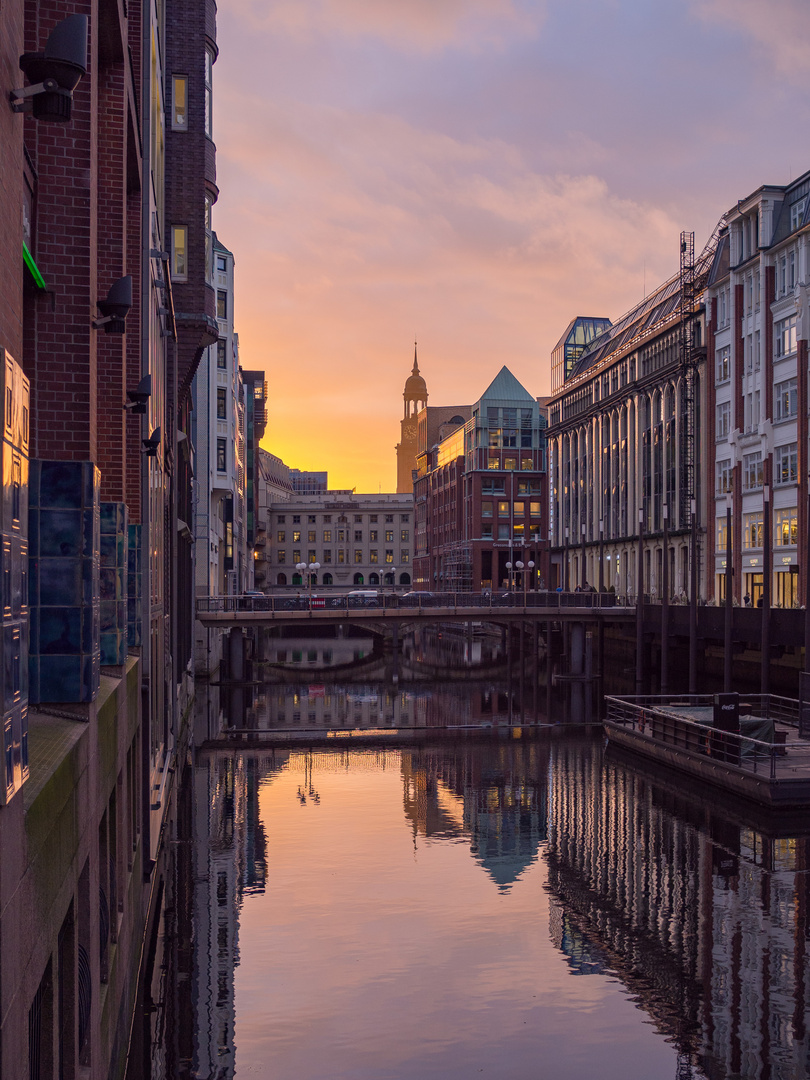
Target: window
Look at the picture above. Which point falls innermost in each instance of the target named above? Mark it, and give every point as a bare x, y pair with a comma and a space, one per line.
404, 556
723, 475
180, 252
281, 519
222, 304
208, 234
209, 102
510, 463
723, 425
341, 555
180, 103
486, 532
372, 517
281, 536
373, 536
786, 464
785, 400
358, 536
222, 264
389, 536
222, 357
373, 556
722, 535
405, 518
341, 536
404, 536
296, 558
526, 464
752, 471
311, 536
797, 214
518, 509
222, 455
222, 403
327, 554
389, 519
281, 555
723, 361
503, 508
296, 519
327, 519
752, 530
534, 509
327, 536
311, 556
784, 337
311, 519
791, 270
786, 527
358, 555
486, 508
297, 536
358, 519
389, 557
503, 532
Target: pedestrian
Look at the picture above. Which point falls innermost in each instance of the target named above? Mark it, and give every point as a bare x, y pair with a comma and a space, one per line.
747, 600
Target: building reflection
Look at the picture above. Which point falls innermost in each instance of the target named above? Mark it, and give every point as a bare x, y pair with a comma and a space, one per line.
702, 915
229, 861
494, 794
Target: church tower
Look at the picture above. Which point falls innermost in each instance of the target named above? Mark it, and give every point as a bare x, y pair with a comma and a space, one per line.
415, 396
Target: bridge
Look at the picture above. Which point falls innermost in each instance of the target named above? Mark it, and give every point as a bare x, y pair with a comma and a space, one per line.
230, 611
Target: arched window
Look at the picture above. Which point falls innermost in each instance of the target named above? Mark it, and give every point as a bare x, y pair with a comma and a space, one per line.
404, 579
359, 580
374, 579
281, 579
389, 579
327, 579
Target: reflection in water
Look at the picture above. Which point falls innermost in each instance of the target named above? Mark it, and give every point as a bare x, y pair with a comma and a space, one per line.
434, 911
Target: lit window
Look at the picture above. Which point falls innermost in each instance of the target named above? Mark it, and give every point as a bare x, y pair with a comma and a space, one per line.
723, 475
180, 252
373, 556
786, 527
281, 555
752, 530
784, 337
786, 464
389, 556
297, 536
785, 400
311, 536
180, 103
222, 454
222, 407
222, 356
389, 536
358, 555
222, 304
723, 358
280, 536
752, 471
327, 536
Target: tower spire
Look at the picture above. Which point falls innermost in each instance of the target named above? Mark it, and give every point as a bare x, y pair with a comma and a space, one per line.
415, 364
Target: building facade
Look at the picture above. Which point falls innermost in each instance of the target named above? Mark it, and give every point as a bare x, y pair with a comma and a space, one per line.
357, 539
97, 467
621, 432
480, 494
758, 319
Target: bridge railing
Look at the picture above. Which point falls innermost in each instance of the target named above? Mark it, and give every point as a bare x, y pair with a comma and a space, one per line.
485, 601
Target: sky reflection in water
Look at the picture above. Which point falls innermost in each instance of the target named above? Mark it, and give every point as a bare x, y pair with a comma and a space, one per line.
405, 927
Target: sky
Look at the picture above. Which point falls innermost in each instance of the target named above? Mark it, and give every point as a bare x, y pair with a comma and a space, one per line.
473, 174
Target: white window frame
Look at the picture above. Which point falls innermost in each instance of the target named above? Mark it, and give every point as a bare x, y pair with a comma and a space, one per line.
786, 464
786, 400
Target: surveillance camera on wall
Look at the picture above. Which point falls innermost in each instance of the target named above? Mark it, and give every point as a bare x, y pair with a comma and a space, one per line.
139, 396
54, 73
116, 306
152, 443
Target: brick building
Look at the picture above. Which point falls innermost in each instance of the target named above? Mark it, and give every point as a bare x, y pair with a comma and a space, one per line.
97, 488
480, 492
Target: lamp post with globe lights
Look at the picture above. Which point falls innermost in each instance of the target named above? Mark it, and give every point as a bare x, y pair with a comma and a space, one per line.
309, 569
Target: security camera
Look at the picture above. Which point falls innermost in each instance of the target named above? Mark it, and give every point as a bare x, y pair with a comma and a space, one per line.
139, 396
115, 307
54, 73
152, 443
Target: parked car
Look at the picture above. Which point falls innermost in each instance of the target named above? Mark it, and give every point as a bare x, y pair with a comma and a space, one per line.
363, 598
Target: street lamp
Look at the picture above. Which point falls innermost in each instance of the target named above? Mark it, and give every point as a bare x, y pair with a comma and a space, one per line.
509, 575
519, 568
530, 568
312, 568
393, 571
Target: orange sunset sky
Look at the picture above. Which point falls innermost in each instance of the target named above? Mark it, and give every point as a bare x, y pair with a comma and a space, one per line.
473, 173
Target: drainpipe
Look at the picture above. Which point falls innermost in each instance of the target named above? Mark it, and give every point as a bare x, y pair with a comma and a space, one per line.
146, 539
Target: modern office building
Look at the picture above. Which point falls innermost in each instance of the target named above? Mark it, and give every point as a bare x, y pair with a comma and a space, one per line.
356, 539
626, 437
758, 325
480, 493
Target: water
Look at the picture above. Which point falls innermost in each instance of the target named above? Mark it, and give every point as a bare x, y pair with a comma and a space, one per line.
506, 901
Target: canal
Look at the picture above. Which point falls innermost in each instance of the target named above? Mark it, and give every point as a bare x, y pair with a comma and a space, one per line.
434, 877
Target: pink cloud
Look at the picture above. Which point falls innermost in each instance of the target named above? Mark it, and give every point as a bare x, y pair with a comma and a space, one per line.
421, 25
780, 27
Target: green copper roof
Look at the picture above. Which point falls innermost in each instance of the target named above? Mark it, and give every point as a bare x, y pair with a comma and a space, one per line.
505, 387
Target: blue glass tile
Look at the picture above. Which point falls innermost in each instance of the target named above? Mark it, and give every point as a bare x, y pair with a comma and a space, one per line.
108, 512
108, 549
91, 538
89, 577
60, 631
60, 532
33, 581
60, 581
107, 584
108, 617
60, 679
33, 481
33, 531
60, 484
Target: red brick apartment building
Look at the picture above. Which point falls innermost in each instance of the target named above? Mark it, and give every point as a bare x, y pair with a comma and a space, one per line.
480, 493
106, 156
